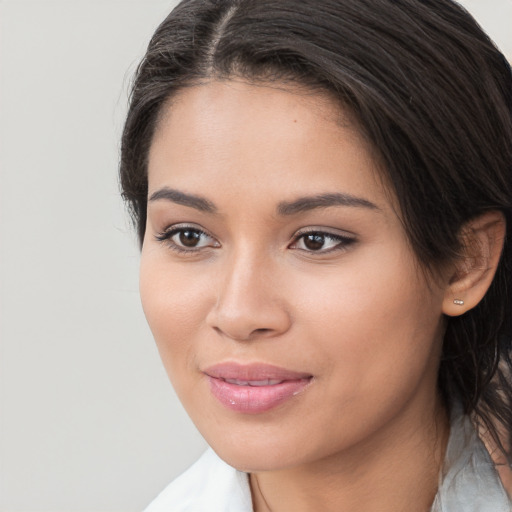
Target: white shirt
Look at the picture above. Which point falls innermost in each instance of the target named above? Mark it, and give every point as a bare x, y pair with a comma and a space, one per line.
468, 481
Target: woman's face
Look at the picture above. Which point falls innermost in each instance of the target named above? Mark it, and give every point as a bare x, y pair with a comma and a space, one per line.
289, 311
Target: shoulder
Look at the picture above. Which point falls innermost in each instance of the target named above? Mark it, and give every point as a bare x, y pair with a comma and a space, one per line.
209, 484
469, 481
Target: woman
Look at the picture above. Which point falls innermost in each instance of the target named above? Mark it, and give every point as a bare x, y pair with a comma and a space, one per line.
323, 193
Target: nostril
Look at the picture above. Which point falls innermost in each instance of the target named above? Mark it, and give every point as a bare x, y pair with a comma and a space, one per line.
261, 331
248, 336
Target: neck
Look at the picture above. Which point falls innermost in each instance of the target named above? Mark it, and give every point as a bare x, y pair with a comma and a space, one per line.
391, 472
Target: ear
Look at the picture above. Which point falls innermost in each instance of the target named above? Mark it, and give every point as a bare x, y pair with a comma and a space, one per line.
473, 272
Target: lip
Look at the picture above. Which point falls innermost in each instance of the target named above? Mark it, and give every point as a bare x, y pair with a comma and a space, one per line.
254, 388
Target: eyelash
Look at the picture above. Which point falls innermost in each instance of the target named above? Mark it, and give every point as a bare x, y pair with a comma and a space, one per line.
342, 241
167, 236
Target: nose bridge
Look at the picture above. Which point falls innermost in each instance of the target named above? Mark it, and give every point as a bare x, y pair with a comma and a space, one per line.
248, 305
244, 277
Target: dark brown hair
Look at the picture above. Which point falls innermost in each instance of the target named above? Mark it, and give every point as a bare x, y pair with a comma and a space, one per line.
430, 92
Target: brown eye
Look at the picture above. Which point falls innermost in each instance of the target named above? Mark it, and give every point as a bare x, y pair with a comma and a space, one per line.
322, 242
314, 241
189, 238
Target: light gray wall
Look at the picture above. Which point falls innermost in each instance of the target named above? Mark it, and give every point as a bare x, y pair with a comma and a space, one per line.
88, 421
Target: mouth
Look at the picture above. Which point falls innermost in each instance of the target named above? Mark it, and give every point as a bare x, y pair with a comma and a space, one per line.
257, 383
254, 388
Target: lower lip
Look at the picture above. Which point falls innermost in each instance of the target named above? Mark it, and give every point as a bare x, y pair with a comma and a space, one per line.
255, 399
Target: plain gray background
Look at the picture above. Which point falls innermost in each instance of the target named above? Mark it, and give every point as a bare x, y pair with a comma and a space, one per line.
88, 421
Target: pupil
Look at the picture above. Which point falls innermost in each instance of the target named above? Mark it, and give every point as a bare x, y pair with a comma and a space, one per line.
314, 241
189, 238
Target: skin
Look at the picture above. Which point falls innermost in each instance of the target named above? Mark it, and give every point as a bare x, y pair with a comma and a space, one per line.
369, 431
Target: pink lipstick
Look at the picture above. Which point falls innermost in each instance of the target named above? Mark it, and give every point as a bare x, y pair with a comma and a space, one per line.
254, 388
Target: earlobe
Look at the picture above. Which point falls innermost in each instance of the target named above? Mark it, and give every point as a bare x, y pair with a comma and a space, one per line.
483, 239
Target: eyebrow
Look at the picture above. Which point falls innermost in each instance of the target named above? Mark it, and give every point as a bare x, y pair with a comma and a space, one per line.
304, 204
285, 208
193, 201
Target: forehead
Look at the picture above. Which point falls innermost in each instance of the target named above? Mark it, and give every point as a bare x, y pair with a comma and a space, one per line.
258, 137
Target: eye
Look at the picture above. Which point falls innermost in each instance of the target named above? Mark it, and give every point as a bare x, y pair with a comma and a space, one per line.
187, 238
321, 242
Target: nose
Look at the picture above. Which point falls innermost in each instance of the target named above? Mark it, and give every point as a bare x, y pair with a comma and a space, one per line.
249, 304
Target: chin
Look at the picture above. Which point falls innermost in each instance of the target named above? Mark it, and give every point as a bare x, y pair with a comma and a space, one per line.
257, 451
254, 460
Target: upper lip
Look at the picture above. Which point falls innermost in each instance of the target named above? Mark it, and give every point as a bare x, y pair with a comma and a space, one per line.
253, 372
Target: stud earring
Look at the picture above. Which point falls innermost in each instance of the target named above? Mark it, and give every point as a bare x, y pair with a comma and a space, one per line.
458, 302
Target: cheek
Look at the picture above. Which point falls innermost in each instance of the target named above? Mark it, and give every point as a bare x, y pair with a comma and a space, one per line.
376, 324
174, 303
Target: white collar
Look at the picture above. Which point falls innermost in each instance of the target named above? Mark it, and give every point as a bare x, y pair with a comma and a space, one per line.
468, 481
